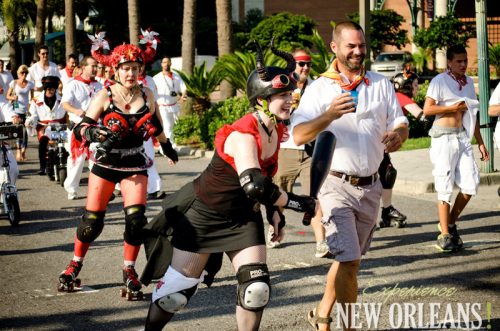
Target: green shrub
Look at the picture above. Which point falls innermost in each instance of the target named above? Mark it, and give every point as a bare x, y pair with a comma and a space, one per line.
187, 130
422, 91
224, 112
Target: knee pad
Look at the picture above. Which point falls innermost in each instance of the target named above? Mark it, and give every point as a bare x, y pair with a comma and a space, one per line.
172, 303
254, 289
387, 173
173, 292
134, 222
90, 226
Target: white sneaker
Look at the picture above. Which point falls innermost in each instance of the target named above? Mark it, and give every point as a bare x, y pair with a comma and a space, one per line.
72, 196
322, 249
269, 243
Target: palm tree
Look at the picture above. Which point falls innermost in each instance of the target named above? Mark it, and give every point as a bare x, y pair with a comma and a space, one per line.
16, 13
188, 36
69, 12
224, 39
133, 21
41, 6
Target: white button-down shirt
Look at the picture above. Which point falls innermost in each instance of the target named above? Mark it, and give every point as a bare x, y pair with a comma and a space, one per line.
359, 149
78, 94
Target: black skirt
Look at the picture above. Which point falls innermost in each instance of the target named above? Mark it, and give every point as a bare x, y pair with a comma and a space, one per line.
202, 230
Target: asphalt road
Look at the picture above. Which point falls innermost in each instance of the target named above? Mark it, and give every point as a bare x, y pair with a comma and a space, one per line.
33, 254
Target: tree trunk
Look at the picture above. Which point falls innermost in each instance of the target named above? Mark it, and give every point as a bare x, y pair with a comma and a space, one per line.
188, 36
40, 23
13, 47
224, 40
133, 21
69, 12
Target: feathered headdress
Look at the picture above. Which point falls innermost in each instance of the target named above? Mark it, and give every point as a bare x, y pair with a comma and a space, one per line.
126, 52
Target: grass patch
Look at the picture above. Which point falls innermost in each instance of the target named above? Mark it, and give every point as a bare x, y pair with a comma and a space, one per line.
416, 143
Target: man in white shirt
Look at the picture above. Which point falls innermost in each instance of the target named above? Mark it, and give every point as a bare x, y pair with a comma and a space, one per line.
170, 89
41, 69
452, 99
364, 129
5, 78
67, 72
77, 95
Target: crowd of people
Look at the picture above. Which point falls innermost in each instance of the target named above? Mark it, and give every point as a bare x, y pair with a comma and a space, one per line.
117, 113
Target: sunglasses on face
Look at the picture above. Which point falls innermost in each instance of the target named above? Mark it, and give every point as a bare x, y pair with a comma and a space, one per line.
44, 53
302, 64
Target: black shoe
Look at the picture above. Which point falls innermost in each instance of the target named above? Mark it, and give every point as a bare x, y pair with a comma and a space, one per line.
42, 172
112, 197
157, 195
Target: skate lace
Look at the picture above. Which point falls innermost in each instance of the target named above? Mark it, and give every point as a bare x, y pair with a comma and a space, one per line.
73, 269
131, 275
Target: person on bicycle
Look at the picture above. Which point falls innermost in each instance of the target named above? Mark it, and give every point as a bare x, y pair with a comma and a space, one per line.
6, 115
46, 108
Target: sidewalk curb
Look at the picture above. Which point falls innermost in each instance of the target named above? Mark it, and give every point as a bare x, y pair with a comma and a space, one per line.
419, 187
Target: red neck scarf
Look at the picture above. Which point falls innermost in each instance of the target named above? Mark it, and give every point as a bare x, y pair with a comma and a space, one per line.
334, 73
170, 74
83, 80
69, 72
462, 80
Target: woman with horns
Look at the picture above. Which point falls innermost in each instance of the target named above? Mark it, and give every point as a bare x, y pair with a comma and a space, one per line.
219, 212
128, 116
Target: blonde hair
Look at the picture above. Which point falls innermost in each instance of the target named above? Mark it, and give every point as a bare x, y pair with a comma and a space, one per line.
22, 68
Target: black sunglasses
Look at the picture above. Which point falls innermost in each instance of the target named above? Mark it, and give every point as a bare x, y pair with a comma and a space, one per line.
302, 64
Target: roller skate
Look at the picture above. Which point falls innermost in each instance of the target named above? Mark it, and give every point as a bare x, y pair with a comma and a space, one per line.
392, 217
132, 290
67, 279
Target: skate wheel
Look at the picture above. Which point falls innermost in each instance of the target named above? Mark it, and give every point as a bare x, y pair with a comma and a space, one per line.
140, 295
61, 288
78, 282
123, 292
130, 296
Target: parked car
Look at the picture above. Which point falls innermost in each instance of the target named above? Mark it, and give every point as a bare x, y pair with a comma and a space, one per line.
391, 63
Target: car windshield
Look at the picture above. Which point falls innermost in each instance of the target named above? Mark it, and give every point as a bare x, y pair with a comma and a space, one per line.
390, 57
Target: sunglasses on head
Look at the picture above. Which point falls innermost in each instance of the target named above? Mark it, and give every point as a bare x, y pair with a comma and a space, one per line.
281, 81
302, 64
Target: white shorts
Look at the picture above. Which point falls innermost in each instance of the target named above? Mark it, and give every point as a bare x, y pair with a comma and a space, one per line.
453, 163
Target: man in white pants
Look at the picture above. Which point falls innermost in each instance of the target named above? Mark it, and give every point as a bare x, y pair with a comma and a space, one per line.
170, 88
154, 180
77, 95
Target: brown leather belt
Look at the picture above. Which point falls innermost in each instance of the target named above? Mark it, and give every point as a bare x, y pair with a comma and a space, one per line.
355, 180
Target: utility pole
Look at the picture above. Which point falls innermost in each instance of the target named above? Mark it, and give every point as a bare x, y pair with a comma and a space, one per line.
484, 82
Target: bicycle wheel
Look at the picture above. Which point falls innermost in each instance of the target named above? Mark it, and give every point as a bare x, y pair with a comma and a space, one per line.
14, 212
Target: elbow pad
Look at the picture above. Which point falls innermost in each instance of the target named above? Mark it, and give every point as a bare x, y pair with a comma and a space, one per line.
259, 187
77, 130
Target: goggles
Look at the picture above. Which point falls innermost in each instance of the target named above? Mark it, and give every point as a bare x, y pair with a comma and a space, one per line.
282, 81
302, 64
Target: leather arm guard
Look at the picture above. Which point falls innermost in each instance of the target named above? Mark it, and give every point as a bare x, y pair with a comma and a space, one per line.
301, 203
270, 213
169, 150
259, 187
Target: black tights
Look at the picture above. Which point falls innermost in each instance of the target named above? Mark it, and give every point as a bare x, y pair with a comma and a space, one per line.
157, 318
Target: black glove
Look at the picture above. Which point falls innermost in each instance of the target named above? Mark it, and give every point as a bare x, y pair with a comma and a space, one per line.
169, 151
301, 203
270, 213
94, 133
